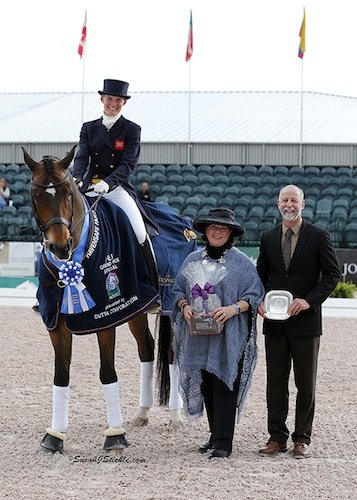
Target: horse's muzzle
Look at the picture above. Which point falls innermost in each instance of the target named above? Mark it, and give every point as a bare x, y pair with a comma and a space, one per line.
61, 252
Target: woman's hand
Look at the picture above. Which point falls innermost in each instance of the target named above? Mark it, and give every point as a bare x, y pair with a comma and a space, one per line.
221, 314
187, 312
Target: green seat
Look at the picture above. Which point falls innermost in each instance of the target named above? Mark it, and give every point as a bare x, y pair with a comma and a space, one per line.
176, 180
234, 170
143, 168
13, 167
188, 169
189, 180
173, 169
194, 201
168, 190
203, 170
157, 168
17, 199
218, 170
184, 191
249, 170
311, 172
190, 212
177, 202
201, 190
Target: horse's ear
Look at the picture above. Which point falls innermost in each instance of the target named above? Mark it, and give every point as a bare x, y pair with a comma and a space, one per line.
66, 161
32, 164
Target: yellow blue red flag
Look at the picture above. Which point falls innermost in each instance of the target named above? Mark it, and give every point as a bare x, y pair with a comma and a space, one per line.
302, 34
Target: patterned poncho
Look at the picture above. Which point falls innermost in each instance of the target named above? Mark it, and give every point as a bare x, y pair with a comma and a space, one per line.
233, 277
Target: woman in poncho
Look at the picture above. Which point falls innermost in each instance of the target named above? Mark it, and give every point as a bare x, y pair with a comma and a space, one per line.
216, 295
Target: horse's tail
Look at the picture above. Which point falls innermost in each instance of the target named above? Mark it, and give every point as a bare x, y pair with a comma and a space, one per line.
163, 360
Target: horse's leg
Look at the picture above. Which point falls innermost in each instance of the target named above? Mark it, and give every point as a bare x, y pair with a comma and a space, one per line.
139, 327
115, 433
61, 339
175, 399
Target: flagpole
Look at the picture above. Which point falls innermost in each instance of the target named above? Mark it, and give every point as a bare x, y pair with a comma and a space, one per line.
82, 54
189, 51
189, 116
302, 48
83, 74
301, 155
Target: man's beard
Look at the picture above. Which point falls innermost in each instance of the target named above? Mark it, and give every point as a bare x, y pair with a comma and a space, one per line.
290, 215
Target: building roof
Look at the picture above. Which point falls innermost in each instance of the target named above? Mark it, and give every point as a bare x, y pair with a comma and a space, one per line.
216, 117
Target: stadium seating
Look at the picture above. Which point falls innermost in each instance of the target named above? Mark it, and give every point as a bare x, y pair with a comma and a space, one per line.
250, 190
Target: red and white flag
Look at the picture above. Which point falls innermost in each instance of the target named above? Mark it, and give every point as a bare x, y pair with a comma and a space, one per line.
189, 48
83, 39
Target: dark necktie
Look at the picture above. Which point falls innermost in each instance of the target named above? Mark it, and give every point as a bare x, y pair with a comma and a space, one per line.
286, 247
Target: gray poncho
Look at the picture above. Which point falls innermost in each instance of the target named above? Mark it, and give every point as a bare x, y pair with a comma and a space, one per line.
233, 277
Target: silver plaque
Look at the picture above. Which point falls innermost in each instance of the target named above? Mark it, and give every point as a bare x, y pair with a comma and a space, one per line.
276, 304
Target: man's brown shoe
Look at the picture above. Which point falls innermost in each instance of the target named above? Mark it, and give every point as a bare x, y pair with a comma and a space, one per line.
273, 448
301, 450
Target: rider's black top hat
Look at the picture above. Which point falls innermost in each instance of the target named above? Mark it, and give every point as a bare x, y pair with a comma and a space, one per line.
115, 87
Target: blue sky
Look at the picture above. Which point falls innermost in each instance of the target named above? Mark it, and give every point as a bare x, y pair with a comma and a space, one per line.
238, 45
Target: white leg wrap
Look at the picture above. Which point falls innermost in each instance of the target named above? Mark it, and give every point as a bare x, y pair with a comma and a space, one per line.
112, 401
146, 398
175, 399
60, 404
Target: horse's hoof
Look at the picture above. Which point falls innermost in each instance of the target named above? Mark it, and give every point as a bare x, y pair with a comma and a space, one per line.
118, 442
141, 417
176, 422
52, 444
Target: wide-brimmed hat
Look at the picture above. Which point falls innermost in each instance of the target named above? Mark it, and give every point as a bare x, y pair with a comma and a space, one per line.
115, 87
221, 216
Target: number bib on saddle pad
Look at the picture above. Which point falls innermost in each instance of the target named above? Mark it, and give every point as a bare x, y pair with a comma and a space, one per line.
204, 324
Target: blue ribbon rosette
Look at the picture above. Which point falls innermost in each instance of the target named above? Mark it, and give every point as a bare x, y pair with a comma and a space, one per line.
76, 298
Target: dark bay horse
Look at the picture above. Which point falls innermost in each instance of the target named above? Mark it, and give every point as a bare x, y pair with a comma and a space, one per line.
61, 212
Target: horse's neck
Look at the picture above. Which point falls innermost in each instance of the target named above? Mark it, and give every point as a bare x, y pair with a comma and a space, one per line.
80, 209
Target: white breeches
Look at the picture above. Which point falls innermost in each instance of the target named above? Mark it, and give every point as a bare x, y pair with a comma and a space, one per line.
122, 199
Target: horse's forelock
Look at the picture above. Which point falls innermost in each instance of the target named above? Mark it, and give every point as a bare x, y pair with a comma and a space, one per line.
49, 163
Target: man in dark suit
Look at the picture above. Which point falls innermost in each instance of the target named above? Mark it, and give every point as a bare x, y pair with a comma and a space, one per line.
108, 153
310, 274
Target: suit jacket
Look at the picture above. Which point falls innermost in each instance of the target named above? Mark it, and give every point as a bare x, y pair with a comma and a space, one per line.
109, 155
312, 275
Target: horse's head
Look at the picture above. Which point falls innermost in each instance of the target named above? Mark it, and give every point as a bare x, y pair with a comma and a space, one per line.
54, 198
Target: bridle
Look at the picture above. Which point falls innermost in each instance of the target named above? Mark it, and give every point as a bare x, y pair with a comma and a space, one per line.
61, 220
54, 220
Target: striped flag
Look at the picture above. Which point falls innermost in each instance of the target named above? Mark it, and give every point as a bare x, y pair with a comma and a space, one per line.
302, 46
189, 48
83, 39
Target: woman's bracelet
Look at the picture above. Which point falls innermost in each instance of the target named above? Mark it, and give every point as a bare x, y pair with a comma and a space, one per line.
237, 308
183, 304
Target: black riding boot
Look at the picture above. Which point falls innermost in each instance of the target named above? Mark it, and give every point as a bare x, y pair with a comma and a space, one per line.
151, 264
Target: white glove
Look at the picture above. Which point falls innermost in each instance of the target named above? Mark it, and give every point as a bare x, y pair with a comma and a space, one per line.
79, 182
101, 187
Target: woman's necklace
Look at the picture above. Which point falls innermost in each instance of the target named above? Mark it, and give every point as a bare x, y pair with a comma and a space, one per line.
205, 257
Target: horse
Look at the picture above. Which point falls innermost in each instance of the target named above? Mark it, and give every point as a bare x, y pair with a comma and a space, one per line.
62, 212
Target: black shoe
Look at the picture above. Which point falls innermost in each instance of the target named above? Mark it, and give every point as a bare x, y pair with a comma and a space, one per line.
36, 308
205, 447
217, 453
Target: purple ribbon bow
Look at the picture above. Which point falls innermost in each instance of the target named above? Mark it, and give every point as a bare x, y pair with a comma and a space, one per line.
197, 291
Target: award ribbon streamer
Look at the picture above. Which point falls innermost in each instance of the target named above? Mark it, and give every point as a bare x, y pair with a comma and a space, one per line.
76, 298
197, 291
